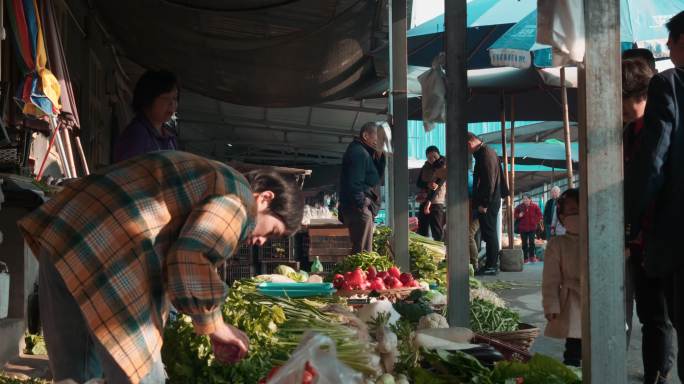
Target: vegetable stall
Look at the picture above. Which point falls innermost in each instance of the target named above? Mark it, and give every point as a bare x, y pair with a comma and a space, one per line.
364, 321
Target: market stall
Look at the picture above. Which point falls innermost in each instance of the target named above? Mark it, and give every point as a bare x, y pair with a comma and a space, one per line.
364, 321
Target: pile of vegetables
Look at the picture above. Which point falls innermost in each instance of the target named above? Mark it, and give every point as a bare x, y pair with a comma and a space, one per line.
363, 260
487, 317
275, 327
375, 280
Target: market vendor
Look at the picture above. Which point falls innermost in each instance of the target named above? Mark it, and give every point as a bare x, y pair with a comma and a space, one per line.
363, 167
155, 101
117, 246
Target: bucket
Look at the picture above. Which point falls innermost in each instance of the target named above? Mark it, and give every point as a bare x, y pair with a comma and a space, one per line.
4, 290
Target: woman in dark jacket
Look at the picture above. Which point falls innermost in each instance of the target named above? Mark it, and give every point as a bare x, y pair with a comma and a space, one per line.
155, 101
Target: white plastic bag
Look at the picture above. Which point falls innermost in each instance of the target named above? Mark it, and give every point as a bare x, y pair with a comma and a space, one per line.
560, 24
319, 350
433, 90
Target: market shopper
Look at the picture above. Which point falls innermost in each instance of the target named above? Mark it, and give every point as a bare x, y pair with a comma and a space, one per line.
551, 224
654, 181
528, 215
155, 101
363, 167
432, 211
117, 246
561, 294
488, 189
649, 292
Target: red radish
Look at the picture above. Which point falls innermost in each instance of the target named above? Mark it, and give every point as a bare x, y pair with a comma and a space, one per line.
338, 280
414, 284
357, 276
382, 274
397, 284
346, 286
372, 273
394, 271
405, 278
377, 284
366, 285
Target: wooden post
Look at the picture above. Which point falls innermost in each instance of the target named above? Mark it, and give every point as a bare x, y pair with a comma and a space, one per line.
399, 112
601, 198
512, 174
458, 253
566, 127
508, 214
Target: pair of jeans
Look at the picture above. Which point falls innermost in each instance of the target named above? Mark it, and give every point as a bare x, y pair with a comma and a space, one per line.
652, 296
472, 241
73, 351
528, 246
489, 233
360, 224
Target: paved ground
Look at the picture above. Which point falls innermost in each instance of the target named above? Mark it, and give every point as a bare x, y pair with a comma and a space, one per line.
525, 297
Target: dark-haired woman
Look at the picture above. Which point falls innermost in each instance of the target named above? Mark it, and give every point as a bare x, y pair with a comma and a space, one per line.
117, 247
155, 101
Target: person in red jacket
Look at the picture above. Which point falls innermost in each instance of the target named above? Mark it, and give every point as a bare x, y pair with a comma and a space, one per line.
528, 215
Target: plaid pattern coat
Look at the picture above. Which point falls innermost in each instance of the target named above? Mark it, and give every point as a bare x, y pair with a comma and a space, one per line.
127, 239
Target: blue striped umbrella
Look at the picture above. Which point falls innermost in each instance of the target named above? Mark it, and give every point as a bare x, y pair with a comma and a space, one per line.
642, 24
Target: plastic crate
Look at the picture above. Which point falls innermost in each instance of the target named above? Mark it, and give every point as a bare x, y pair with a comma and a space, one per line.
234, 270
278, 250
268, 267
244, 253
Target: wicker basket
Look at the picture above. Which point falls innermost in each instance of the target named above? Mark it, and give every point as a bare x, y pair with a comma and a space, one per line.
522, 338
510, 352
390, 294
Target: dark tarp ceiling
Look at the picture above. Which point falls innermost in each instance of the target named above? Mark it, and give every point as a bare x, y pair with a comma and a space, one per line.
261, 53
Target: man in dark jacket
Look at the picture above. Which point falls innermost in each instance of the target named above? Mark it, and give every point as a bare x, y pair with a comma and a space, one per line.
654, 177
363, 167
487, 198
432, 213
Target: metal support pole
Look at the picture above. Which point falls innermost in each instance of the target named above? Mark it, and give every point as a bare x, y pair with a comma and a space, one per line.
399, 112
512, 174
601, 198
508, 214
566, 127
458, 253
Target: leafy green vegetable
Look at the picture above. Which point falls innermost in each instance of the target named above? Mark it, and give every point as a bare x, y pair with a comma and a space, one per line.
381, 240
425, 266
539, 370
284, 270
414, 307
363, 260
409, 354
5, 379
456, 367
485, 317
34, 345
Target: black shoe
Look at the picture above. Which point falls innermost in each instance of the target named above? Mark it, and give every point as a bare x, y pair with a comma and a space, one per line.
481, 271
491, 272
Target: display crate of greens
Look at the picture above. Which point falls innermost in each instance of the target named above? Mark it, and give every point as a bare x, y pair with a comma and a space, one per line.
278, 250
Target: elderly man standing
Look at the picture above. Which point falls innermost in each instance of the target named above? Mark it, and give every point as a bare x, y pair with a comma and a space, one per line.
551, 223
487, 193
363, 167
432, 211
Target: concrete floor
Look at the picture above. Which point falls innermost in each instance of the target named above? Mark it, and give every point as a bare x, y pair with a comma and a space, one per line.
525, 297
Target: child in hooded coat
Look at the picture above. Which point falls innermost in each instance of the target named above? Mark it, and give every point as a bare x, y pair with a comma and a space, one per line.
561, 297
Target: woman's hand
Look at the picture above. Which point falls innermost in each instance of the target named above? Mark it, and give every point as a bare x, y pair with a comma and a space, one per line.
229, 344
551, 316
